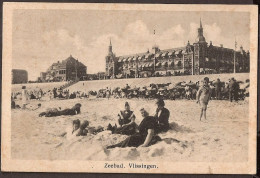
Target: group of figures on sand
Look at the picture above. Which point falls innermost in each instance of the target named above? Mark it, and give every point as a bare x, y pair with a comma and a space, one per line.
145, 133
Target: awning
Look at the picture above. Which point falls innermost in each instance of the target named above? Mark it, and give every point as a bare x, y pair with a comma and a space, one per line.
151, 64
130, 58
176, 62
147, 56
158, 54
146, 65
125, 59
164, 63
141, 65
222, 61
164, 54
135, 58
119, 60
158, 64
171, 53
171, 63
213, 60
140, 57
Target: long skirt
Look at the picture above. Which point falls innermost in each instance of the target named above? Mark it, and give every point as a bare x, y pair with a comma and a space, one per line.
126, 129
135, 141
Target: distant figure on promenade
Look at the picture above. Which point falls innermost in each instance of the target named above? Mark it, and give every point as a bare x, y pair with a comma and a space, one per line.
162, 117
203, 97
24, 97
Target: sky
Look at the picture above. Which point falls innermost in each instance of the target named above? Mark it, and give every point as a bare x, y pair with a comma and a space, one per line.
42, 37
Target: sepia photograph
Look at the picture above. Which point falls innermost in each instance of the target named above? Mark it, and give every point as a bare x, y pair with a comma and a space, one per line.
129, 88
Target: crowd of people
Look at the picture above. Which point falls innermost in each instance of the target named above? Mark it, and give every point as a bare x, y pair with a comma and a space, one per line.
232, 90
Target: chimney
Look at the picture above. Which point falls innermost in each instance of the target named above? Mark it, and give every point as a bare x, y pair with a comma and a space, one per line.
210, 43
221, 45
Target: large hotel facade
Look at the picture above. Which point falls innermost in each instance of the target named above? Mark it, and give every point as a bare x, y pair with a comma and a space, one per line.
192, 59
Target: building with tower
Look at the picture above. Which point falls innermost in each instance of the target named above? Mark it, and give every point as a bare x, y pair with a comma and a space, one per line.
192, 59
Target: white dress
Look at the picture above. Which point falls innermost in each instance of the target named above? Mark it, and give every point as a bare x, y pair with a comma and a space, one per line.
24, 97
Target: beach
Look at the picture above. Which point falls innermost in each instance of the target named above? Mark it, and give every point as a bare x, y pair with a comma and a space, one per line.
223, 137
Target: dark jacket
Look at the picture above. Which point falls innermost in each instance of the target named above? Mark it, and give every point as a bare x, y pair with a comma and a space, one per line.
163, 120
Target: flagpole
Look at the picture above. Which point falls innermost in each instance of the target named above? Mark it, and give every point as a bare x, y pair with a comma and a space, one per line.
235, 56
154, 49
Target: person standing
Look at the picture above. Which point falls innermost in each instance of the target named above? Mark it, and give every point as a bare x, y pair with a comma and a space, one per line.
236, 90
218, 89
108, 93
24, 97
231, 89
203, 97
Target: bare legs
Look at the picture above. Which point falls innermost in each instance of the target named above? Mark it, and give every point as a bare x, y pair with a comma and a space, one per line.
203, 113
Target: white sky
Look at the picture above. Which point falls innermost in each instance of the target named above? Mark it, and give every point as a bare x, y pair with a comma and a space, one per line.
41, 37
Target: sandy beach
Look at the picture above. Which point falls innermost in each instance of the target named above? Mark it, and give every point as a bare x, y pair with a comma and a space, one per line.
223, 137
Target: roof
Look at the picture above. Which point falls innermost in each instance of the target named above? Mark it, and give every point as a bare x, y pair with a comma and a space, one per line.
64, 62
146, 54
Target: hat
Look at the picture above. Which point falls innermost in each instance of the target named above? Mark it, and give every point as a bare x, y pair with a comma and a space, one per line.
76, 121
126, 104
160, 102
206, 78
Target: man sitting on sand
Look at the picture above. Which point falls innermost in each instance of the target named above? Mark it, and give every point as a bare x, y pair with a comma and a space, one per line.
126, 121
145, 135
203, 97
162, 117
52, 113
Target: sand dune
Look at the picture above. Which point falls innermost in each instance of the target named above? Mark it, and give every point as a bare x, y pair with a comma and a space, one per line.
223, 137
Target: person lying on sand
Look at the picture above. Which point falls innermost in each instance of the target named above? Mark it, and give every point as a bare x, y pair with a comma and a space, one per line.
145, 136
52, 113
126, 121
162, 117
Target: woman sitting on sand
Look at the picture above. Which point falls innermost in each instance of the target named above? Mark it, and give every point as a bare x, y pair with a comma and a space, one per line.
162, 117
126, 121
145, 135
52, 113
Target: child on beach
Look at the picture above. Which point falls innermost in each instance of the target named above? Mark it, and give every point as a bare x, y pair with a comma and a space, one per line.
203, 97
